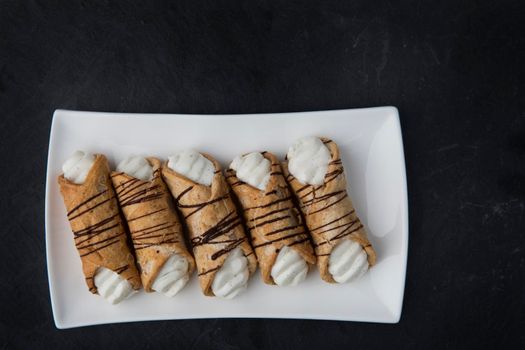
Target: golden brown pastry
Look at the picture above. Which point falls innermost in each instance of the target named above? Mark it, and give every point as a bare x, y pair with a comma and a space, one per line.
328, 210
213, 224
278, 235
163, 260
100, 237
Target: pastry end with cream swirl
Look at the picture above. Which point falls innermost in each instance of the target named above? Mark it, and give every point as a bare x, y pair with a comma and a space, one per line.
348, 261
111, 286
192, 165
173, 276
289, 268
253, 169
308, 160
137, 167
232, 278
76, 167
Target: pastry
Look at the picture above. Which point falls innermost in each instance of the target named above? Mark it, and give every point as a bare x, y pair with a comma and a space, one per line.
99, 235
223, 255
279, 238
315, 173
164, 263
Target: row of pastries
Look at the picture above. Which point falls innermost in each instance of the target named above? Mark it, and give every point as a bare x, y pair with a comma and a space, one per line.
284, 217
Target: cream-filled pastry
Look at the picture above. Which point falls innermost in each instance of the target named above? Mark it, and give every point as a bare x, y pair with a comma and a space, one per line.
315, 172
99, 235
156, 232
278, 235
223, 255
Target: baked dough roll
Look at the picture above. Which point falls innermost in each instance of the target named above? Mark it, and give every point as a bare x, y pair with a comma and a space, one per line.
315, 173
278, 235
100, 237
223, 255
164, 263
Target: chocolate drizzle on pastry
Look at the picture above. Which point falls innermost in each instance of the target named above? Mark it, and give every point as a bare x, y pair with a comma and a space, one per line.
94, 217
92, 238
155, 229
271, 217
215, 234
214, 226
328, 211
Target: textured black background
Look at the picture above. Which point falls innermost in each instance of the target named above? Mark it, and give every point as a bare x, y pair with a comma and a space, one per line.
453, 68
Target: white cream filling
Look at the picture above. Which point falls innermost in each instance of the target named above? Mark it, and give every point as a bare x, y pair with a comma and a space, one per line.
308, 160
192, 165
111, 286
173, 276
76, 167
232, 278
348, 261
137, 167
252, 169
289, 268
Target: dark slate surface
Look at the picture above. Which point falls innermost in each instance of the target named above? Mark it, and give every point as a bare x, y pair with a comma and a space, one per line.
453, 68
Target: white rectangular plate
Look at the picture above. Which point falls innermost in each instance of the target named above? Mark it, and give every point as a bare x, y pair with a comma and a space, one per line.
372, 151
